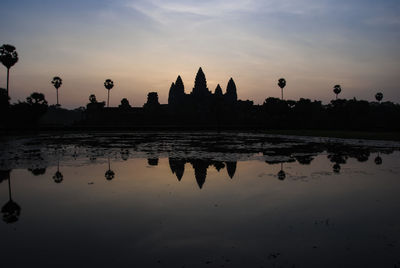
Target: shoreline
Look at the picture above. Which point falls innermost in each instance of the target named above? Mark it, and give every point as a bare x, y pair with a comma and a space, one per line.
342, 134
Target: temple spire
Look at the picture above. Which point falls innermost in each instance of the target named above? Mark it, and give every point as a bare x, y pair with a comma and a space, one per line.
231, 168
200, 84
179, 87
218, 91
171, 95
231, 95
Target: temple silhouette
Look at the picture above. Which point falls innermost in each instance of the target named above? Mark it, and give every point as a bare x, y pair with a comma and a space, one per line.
199, 107
201, 96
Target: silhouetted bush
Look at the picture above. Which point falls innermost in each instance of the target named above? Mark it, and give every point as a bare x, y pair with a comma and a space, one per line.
27, 114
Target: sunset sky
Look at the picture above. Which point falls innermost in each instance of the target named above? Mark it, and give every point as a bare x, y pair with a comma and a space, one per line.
144, 45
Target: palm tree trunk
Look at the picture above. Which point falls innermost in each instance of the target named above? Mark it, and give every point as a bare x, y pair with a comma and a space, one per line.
336, 96
8, 78
108, 99
57, 95
282, 92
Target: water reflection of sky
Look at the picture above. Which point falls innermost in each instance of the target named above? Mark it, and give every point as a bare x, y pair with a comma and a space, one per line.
153, 212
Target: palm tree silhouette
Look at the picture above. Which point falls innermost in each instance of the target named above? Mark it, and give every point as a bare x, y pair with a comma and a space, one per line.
57, 82
282, 84
108, 84
10, 210
379, 96
109, 173
337, 89
8, 57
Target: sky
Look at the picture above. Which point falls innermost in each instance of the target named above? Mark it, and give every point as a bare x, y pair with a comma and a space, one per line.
143, 45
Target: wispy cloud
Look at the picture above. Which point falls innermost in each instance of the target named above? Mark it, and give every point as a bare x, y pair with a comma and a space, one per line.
164, 11
200, 8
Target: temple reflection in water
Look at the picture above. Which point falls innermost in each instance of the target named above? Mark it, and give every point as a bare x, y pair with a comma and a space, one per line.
200, 167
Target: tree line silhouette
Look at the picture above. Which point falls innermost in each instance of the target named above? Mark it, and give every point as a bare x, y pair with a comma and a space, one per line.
200, 107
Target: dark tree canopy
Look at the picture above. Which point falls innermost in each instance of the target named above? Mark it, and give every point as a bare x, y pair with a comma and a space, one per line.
337, 89
108, 84
379, 96
57, 82
282, 82
92, 98
8, 55
36, 98
125, 104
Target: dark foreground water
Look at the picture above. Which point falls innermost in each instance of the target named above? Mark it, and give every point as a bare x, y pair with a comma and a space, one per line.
198, 200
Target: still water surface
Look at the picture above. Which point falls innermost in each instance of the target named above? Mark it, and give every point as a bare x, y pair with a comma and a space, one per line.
197, 200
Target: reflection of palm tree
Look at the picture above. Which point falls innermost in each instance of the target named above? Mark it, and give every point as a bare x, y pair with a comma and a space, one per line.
57, 82
304, 159
11, 210
108, 84
338, 159
378, 160
281, 173
58, 176
282, 84
37, 171
152, 161
362, 156
125, 154
336, 168
109, 173
379, 96
4, 175
8, 57
337, 89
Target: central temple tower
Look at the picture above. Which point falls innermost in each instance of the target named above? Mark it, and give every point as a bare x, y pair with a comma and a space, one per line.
200, 89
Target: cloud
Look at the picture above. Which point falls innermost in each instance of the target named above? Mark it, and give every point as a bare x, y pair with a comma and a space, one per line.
165, 11
161, 9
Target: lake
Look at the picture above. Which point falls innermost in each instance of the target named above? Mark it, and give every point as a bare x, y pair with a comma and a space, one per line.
198, 199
